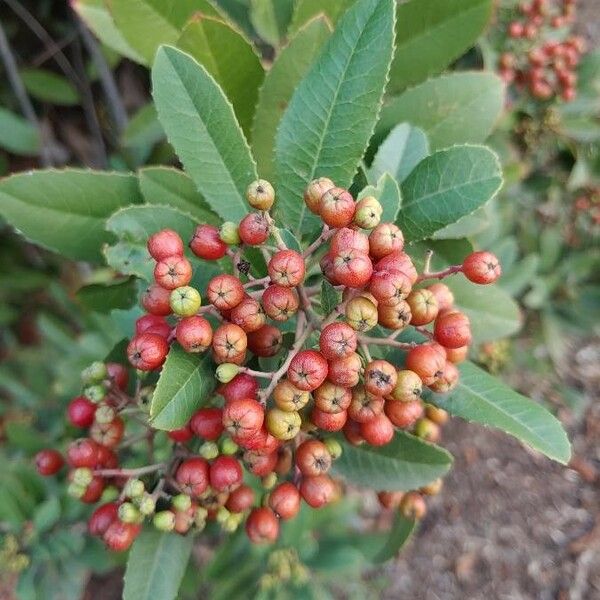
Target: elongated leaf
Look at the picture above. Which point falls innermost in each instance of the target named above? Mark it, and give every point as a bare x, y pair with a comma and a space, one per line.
106, 297
445, 187
484, 399
143, 129
306, 10
186, 381
381, 547
271, 18
17, 135
457, 108
66, 210
330, 297
431, 34
202, 128
406, 463
165, 185
331, 115
156, 565
403, 149
47, 86
280, 82
230, 59
388, 193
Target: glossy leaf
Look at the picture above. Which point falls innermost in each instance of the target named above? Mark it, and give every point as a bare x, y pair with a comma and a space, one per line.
156, 565
65, 211
403, 149
305, 10
290, 66
388, 193
230, 59
406, 463
165, 185
18, 135
485, 399
431, 34
202, 127
457, 108
332, 113
446, 186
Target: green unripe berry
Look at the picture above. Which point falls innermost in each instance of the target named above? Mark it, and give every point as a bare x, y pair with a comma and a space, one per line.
134, 488
229, 447
368, 213
104, 414
226, 372
76, 490
333, 447
82, 476
95, 393
260, 194
164, 520
185, 301
200, 517
181, 502
95, 373
109, 494
232, 522
209, 450
222, 515
229, 233
146, 504
128, 513
269, 481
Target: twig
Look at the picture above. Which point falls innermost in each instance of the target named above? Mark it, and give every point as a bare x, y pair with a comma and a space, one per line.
281, 245
325, 234
386, 341
262, 374
130, 472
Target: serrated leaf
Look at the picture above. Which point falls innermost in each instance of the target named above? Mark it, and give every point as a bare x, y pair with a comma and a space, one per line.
305, 10
48, 86
330, 297
104, 297
457, 108
185, 383
388, 193
165, 185
484, 399
332, 113
18, 135
230, 59
406, 463
66, 211
271, 18
202, 128
156, 565
290, 66
446, 186
431, 34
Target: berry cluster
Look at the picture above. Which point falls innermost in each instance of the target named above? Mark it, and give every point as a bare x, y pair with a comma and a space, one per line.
534, 58
325, 380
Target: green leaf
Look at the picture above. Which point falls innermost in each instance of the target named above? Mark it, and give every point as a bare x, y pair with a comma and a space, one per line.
403, 149
202, 128
143, 129
289, 68
230, 59
306, 10
388, 193
186, 382
481, 398
156, 565
516, 281
467, 226
104, 297
47, 86
290, 240
65, 211
271, 18
97, 17
431, 34
406, 463
330, 297
17, 135
446, 186
165, 185
332, 113
457, 108
381, 547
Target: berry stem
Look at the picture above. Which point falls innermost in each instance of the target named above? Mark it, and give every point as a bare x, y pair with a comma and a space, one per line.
440, 274
275, 232
424, 332
386, 341
130, 472
365, 351
254, 282
326, 233
263, 374
311, 315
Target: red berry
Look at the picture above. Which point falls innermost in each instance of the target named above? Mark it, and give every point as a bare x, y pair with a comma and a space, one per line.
193, 476
328, 421
81, 412
412, 506
345, 372
352, 433
284, 500
448, 380
147, 351
243, 418
394, 317
173, 272
313, 458
229, 342
515, 29
482, 267
48, 462
287, 268
262, 526
337, 340
119, 536
314, 192
194, 334
241, 386
225, 291
403, 414
241, 499
352, 268
107, 458
390, 287
108, 434
260, 464
377, 431
102, 518
248, 315
280, 302
153, 324
364, 406
318, 490
398, 261
457, 355
427, 362
337, 207
207, 423
326, 264
452, 330
207, 244
266, 341
93, 491
307, 370
254, 229
331, 398
385, 239
83, 453
443, 294
181, 435
225, 474
380, 377
349, 239
118, 375
157, 300
423, 306
164, 244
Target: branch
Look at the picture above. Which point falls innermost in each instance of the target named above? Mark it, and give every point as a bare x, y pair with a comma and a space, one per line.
326, 233
427, 274
386, 341
130, 472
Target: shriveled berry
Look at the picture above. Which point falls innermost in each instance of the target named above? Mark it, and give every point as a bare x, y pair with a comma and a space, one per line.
229, 341
147, 351
254, 229
194, 334
262, 526
423, 306
482, 268
377, 431
225, 474
48, 462
207, 243
380, 377
192, 476
313, 458
352, 268
225, 291
286, 268
452, 330
284, 500
337, 340
314, 192
260, 194
337, 207
318, 490
248, 315
265, 341
308, 369
243, 418
165, 243
81, 412
173, 272
288, 397
345, 372
385, 239
283, 425
331, 398
157, 300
